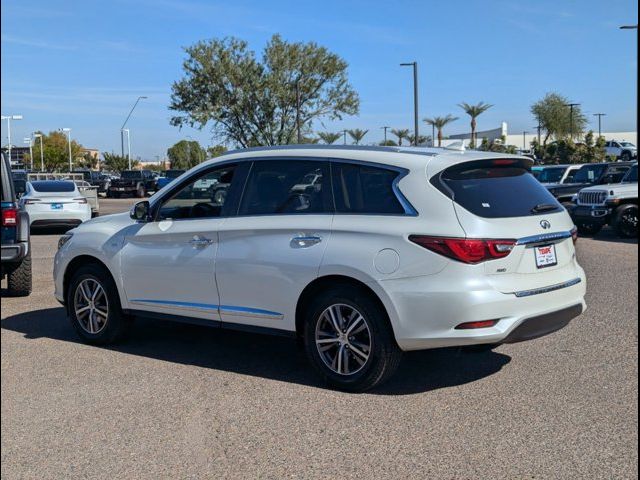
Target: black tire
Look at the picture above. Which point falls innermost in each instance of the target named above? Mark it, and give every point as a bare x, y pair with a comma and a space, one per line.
19, 282
141, 192
384, 354
589, 228
116, 324
625, 221
625, 156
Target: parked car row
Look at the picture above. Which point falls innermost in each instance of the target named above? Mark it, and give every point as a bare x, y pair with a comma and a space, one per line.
596, 194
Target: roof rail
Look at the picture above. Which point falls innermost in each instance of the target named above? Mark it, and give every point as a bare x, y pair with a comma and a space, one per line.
367, 148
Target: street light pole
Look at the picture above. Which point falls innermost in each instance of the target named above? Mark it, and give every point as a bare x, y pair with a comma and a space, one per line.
142, 97
8, 118
68, 132
415, 98
39, 135
344, 135
29, 140
128, 146
599, 115
524, 140
571, 105
298, 112
385, 134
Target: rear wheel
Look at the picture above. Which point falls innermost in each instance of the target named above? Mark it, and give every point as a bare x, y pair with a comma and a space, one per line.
141, 192
19, 280
626, 221
589, 228
625, 156
349, 341
94, 306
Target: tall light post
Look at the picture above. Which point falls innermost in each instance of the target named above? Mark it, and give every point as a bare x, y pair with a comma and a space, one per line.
39, 135
634, 27
571, 105
415, 98
344, 137
142, 97
128, 145
599, 115
8, 118
524, 140
29, 141
385, 133
68, 132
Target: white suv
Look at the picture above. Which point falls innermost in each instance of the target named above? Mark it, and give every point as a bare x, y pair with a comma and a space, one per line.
389, 250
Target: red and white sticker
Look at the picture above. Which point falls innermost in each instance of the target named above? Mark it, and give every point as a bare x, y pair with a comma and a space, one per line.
546, 256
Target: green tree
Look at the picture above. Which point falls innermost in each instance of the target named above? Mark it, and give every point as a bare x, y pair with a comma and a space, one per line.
554, 116
357, 135
56, 152
329, 137
401, 134
113, 162
474, 111
440, 123
422, 139
216, 150
253, 102
186, 154
388, 143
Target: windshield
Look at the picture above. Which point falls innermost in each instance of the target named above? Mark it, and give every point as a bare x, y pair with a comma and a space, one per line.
51, 186
551, 175
632, 175
627, 145
589, 173
131, 174
171, 174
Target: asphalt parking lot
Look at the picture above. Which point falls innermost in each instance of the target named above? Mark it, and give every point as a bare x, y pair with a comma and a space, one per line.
190, 402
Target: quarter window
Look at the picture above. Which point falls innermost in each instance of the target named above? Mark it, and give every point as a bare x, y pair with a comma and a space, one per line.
286, 187
360, 189
203, 197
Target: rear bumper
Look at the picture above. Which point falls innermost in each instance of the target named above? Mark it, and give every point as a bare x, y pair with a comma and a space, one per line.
425, 311
60, 218
14, 253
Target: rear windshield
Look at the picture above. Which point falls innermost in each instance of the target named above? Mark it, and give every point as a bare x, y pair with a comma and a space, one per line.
551, 175
53, 186
496, 189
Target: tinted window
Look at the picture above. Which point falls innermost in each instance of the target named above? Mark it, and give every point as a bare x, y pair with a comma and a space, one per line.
616, 174
131, 174
364, 189
632, 175
498, 191
203, 197
171, 174
53, 186
551, 175
286, 187
589, 173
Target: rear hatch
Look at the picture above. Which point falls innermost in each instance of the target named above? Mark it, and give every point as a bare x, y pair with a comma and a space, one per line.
499, 199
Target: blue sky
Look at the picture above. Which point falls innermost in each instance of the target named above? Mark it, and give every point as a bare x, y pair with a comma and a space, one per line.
82, 64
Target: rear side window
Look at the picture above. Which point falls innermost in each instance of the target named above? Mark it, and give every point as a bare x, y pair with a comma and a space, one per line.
285, 187
360, 189
496, 189
53, 186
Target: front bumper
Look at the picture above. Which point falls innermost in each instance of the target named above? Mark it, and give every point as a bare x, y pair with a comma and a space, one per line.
591, 214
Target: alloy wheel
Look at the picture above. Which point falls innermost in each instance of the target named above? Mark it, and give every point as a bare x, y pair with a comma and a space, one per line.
91, 306
343, 339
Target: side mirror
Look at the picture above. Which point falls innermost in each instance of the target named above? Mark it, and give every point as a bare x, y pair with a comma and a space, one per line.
141, 212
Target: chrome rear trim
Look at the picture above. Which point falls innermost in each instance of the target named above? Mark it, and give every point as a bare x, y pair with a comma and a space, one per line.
551, 288
544, 238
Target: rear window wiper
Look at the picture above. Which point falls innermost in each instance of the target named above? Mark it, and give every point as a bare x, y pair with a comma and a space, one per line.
544, 207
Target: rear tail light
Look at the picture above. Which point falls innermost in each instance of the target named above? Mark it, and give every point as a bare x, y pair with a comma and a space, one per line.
466, 250
9, 217
574, 235
80, 200
479, 324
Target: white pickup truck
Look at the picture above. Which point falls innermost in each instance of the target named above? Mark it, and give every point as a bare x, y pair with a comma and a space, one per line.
613, 204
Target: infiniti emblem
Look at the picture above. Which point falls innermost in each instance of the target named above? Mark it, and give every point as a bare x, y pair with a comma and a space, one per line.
546, 224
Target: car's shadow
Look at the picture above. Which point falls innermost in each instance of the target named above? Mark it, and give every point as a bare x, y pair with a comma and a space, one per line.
264, 356
609, 235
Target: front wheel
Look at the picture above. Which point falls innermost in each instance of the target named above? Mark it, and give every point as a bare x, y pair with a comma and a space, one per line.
94, 306
625, 156
349, 341
626, 221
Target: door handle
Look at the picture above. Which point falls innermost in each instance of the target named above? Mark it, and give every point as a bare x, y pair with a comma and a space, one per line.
305, 241
198, 241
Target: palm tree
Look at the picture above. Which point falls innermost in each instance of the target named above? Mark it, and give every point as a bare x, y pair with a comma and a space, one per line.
403, 133
440, 123
474, 111
357, 135
329, 137
422, 139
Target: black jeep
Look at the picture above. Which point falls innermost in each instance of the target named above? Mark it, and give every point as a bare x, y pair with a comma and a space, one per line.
16, 249
134, 182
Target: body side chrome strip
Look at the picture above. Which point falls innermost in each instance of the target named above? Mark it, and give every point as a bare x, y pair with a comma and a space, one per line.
545, 237
220, 309
551, 288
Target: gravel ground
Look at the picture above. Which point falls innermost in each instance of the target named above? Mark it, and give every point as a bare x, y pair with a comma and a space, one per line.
190, 402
